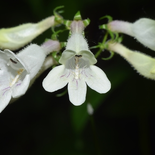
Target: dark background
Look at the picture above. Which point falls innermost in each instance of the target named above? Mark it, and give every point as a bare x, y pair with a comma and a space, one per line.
40, 123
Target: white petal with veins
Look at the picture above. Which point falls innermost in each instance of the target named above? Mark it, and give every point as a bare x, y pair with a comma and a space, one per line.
5, 98
55, 79
98, 80
77, 91
21, 87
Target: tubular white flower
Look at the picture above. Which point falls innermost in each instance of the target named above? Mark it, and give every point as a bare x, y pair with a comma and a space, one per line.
17, 71
77, 69
143, 30
16, 37
14, 77
144, 64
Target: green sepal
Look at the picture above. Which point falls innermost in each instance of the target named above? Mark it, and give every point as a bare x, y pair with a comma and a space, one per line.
47, 39
111, 55
104, 26
55, 34
67, 23
78, 16
113, 35
86, 22
93, 47
56, 13
55, 56
120, 39
108, 17
63, 44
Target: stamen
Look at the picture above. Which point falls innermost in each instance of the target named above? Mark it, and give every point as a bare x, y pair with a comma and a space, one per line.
77, 57
13, 61
16, 77
77, 70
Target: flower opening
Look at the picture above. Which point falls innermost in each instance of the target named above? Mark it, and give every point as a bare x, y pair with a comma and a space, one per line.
19, 71
14, 77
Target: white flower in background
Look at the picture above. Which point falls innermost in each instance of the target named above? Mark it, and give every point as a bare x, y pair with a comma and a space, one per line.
17, 71
14, 77
144, 64
77, 69
143, 30
16, 37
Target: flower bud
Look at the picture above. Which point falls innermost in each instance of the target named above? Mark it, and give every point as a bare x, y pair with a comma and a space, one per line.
143, 30
16, 37
144, 64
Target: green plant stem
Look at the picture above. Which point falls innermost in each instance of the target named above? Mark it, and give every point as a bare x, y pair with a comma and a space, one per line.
96, 140
102, 46
98, 53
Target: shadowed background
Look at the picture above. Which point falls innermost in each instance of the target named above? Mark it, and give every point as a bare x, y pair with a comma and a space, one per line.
124, 118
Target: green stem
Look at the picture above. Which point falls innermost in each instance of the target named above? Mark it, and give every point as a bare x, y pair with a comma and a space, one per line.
98, 150
98, 53
102, 47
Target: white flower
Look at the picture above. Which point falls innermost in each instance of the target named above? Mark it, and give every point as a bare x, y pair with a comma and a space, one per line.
16, 37
17, 71
14, 77
143, 30
77, 69
144, 64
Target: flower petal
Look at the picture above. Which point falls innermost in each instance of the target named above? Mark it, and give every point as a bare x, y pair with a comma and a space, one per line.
33, 57
77, 91
55, 79
66, 55
13, 60
77, 43
88, 55
144, 32
98, 80
5, 97
21, 87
